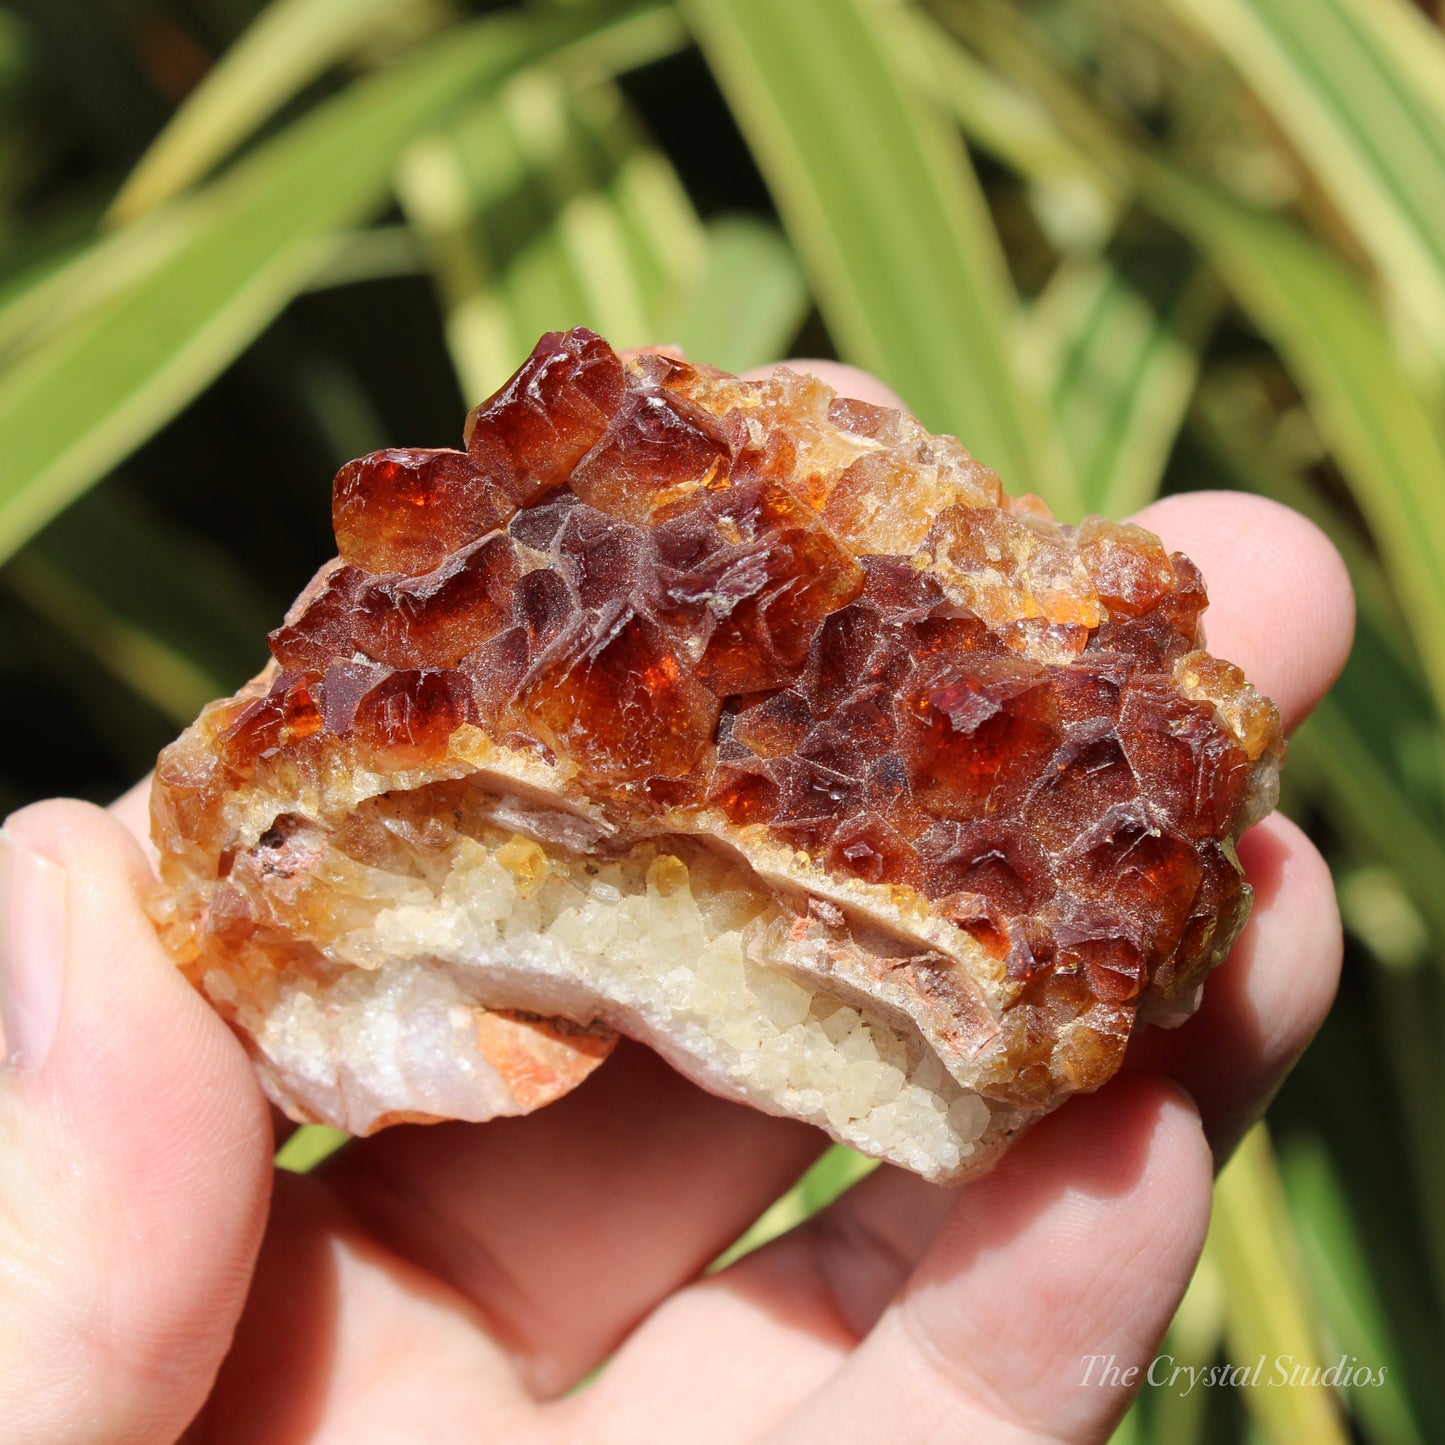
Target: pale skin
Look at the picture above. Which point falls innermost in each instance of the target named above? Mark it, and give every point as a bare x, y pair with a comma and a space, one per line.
453, 1283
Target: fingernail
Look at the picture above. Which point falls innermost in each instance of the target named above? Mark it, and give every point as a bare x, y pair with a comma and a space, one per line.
32, 954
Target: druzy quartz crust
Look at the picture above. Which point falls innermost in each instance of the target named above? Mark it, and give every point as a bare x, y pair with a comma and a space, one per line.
673, 689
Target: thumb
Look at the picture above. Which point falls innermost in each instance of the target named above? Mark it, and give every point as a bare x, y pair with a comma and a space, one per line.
134, 1149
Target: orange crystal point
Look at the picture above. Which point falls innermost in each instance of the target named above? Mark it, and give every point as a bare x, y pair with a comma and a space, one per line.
716, 604
408, 511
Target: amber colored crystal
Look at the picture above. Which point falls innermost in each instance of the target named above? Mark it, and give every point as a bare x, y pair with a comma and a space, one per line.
533, 432
784, 610
616, 697
407, 717
657, 448
408, 511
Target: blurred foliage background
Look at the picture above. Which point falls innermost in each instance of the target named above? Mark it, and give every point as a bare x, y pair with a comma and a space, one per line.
1117, 246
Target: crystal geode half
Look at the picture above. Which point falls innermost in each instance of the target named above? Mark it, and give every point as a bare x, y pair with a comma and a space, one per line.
745, 719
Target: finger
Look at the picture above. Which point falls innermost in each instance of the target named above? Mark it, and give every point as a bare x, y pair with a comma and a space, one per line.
1280, 602
1266, 1002
724, 1360
342, 1341
1076, 1250
564, 1228
134, 1149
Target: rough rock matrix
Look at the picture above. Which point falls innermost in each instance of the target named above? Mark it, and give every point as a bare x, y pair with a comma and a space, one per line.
747, 719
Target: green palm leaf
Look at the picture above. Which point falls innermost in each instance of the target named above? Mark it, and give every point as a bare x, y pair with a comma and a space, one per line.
1372, 130
1122, 368
747, 305
1269, 1314
79, 403
878, 197
1385, 436
545, 209
288, 46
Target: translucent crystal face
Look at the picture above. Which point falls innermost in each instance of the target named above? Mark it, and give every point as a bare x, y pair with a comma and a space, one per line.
762, 604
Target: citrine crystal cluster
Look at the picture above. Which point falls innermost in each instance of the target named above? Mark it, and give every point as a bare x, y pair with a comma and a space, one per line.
746, 718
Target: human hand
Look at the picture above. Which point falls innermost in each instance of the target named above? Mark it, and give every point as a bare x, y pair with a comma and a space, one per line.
455, 1282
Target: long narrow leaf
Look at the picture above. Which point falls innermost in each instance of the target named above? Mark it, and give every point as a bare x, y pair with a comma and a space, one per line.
289, 45
1077, 197
58, 291
1408, 1006
1340, 1278
1122, 369
1389, 443
832, 1174
370, 253
1370, 1090
655, 216
545, 209
749, 302
308, 1147
1029, 71
1363, 798
75, 407
883, 208
1374, 141
585, 245
1269, 1316
152, 607
445, 183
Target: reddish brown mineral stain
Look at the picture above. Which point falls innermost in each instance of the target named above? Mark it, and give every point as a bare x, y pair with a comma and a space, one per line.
666, 578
